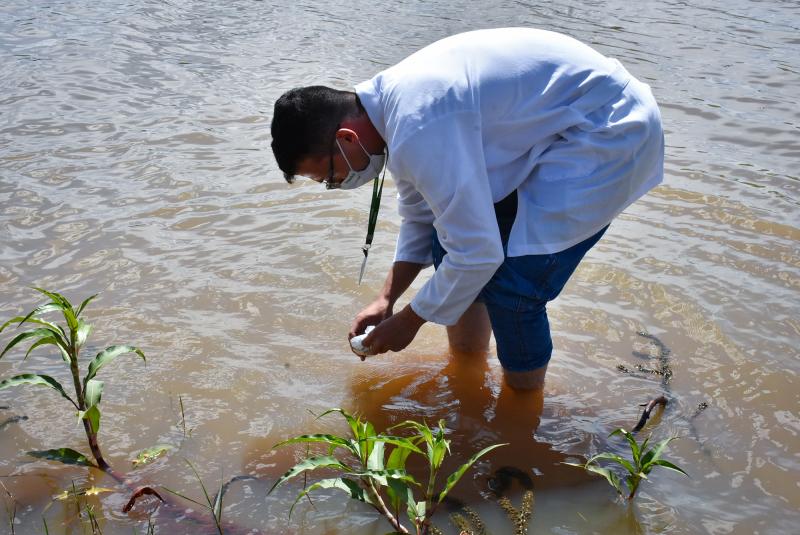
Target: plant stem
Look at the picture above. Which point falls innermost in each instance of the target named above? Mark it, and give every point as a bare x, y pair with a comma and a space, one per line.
87, 426
183, 416
634, 486
94, 446
76, 379
381, 507
430, 506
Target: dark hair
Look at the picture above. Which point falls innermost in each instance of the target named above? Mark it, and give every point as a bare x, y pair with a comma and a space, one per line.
304, 123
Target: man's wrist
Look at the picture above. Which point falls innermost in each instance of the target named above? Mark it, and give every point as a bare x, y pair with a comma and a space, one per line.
417, 320
386, 300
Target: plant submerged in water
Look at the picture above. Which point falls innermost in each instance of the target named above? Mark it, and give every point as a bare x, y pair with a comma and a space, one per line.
69, 342
642, 462
470, 523
369, 476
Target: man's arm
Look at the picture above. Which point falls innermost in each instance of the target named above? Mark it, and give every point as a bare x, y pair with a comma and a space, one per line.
398, 280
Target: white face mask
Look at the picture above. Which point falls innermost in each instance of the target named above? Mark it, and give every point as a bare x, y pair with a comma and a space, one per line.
355, 178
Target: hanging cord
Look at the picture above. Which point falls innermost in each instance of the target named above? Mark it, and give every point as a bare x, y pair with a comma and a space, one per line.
375, 206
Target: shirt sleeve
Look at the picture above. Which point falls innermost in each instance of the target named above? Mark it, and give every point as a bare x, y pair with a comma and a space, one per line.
444, 161
416, 227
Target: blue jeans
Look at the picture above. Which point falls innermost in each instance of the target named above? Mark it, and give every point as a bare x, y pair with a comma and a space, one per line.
516, 299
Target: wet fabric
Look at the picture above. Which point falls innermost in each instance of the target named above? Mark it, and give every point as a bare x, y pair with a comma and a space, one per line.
473, 117
516, 297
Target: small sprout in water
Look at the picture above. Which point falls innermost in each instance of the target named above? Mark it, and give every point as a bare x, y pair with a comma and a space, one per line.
213, 505
638, 467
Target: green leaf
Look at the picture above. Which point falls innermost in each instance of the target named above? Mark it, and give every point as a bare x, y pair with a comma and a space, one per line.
36, 379
616, 458
199, 480
643, 445
440, 447
455, 476
65, 306
49, 341
176, 493
351, 421
150, 454
83, 333
383, 476
93, 392
669, 465
224, 489
347, 485
423, 430
377, 456
107, 355
216, 507
400, 442
312, 463
333, 440
416, 511
654, 454
424, 433
83, 305
367, 434
41, 309
92, 415
398, 456
632, 442
30, 319
41, 332
612, 478
64, 455
399, 493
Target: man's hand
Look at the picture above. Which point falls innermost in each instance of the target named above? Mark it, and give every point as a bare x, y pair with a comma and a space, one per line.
394, 333
373, 314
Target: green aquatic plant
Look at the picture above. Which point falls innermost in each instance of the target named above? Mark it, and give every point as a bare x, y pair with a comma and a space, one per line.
214, 506
372, 468
470, 523
642, 461
11, 509
69, 340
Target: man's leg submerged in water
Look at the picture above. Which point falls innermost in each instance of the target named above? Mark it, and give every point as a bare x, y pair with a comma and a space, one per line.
469, 339
519, 404
470, 336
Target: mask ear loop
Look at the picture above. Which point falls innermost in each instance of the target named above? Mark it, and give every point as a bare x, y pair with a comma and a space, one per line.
341, 150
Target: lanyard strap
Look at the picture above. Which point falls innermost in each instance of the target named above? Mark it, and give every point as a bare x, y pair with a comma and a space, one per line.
375, 206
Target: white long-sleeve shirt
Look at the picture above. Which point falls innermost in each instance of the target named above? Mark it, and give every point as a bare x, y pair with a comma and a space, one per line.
470, 118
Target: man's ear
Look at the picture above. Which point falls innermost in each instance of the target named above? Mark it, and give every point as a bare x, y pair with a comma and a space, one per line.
345, 134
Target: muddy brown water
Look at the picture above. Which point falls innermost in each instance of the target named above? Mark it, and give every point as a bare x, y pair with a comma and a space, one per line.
134, 161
